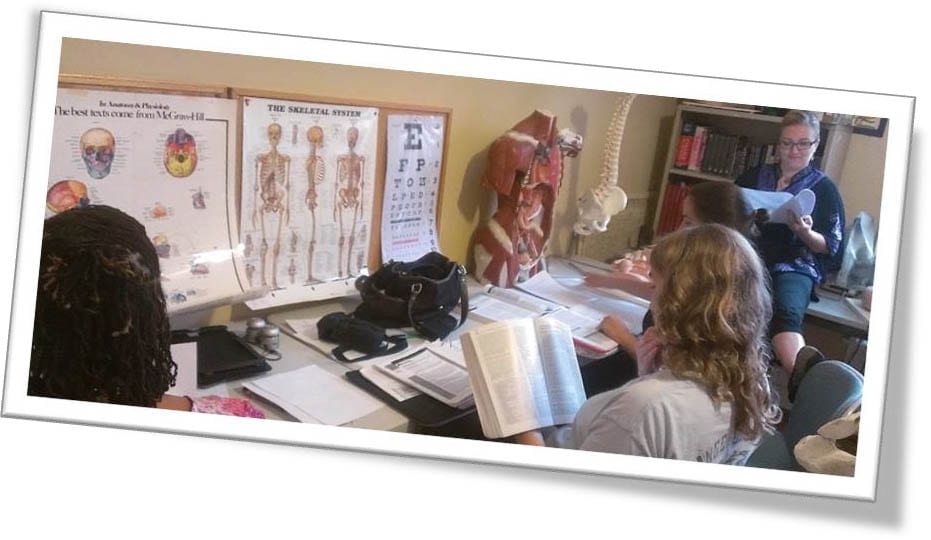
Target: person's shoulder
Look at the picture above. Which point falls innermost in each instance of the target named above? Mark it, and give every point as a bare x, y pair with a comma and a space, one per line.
825, 188
646, 391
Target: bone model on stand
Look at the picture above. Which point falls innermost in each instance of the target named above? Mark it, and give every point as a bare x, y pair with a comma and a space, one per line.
599, 204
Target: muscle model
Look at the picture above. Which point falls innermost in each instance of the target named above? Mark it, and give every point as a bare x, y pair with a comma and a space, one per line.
271, 195
316, 170
525, 167
350, 174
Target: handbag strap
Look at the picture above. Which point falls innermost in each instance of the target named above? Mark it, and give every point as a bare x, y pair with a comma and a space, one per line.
416, 288
395, 344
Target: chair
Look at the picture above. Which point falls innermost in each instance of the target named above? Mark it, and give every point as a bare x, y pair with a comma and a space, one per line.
829, 389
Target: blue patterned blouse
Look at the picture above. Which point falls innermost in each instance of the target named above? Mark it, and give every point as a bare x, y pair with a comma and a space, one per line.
781, 249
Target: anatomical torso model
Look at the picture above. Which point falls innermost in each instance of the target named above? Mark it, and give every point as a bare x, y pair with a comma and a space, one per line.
524, 169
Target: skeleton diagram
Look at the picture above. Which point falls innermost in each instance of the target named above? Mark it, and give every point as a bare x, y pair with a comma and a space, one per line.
350, 169
525, 167
316, 169
271, 198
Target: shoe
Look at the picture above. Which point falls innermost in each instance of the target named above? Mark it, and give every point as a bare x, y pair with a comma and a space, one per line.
807, 356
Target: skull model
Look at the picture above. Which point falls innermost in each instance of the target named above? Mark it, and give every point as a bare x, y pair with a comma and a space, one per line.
180, 154
97, 151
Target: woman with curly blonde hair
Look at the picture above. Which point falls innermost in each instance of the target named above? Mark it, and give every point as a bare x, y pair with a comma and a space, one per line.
703, 394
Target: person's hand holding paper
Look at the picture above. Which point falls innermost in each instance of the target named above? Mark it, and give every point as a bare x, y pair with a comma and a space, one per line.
782, 207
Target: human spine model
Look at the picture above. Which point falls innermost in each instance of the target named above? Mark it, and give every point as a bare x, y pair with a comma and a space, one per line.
525, 167
599, 204
316, 170
271, 196
350, 175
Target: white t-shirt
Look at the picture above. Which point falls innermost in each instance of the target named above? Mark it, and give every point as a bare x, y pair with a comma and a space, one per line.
659, 415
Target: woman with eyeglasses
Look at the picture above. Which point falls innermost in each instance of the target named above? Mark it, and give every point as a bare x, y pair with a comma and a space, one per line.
799, 255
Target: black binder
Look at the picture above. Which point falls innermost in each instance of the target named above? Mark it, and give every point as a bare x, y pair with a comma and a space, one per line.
422, 410
221, 355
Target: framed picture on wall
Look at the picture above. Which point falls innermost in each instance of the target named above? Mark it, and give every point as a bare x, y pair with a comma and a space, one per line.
869, 125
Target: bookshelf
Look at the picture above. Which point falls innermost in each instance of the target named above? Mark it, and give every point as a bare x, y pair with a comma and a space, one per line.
732, 132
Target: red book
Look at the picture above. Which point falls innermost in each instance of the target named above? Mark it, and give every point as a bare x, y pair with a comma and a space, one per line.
697, 151
684, 148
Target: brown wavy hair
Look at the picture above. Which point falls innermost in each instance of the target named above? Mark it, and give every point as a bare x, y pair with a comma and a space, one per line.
712, 310
101, 329
723, 203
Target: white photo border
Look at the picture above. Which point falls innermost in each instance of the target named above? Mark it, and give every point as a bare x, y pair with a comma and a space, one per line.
57, 26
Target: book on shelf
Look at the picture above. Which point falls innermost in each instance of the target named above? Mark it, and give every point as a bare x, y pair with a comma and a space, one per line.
440, 376
524, 375
709, 156
684, 146
697, 151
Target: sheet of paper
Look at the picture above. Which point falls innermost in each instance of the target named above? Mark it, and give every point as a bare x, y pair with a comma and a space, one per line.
412, 180
581, 323
779, 203
488, 308
544, 286
522, 299
800, 205
317, 394
185, 356
435, 375
390, 385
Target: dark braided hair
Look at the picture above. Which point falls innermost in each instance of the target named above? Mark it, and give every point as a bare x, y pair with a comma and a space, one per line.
101, 329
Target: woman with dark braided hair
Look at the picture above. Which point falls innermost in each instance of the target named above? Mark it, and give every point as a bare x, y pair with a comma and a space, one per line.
101, 329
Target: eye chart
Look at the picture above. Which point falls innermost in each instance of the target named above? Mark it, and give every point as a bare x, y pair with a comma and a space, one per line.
412, 182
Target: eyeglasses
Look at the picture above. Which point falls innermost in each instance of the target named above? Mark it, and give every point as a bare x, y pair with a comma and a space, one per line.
803, 145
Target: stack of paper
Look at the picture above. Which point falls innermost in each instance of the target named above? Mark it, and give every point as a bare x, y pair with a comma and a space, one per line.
310, 394
434, 374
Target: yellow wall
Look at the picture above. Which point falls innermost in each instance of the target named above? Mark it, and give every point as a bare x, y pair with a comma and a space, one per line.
861, 181
482, 110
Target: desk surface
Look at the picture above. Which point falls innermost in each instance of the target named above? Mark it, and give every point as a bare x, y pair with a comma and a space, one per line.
296, 355
830, 307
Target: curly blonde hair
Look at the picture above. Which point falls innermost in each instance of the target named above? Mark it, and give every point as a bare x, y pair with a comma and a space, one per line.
712, 310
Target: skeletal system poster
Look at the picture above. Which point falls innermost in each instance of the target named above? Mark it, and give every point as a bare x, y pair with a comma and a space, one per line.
412, 181
163, 159
308, 173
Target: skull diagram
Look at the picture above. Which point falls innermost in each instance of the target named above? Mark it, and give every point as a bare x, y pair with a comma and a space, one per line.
180, 154
97, 151
66, 195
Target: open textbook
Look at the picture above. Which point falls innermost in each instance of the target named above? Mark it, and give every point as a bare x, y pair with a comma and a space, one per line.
524, 375
583, 309
780, 204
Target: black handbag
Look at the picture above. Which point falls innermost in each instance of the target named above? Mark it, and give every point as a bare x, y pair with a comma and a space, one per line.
418, 294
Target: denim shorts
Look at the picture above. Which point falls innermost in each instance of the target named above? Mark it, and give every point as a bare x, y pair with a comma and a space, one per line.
791, 294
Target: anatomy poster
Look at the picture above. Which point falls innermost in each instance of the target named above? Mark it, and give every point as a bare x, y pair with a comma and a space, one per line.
412, 181
162, 159
308, 174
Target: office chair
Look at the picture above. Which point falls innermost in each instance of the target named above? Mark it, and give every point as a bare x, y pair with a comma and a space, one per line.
829, 389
